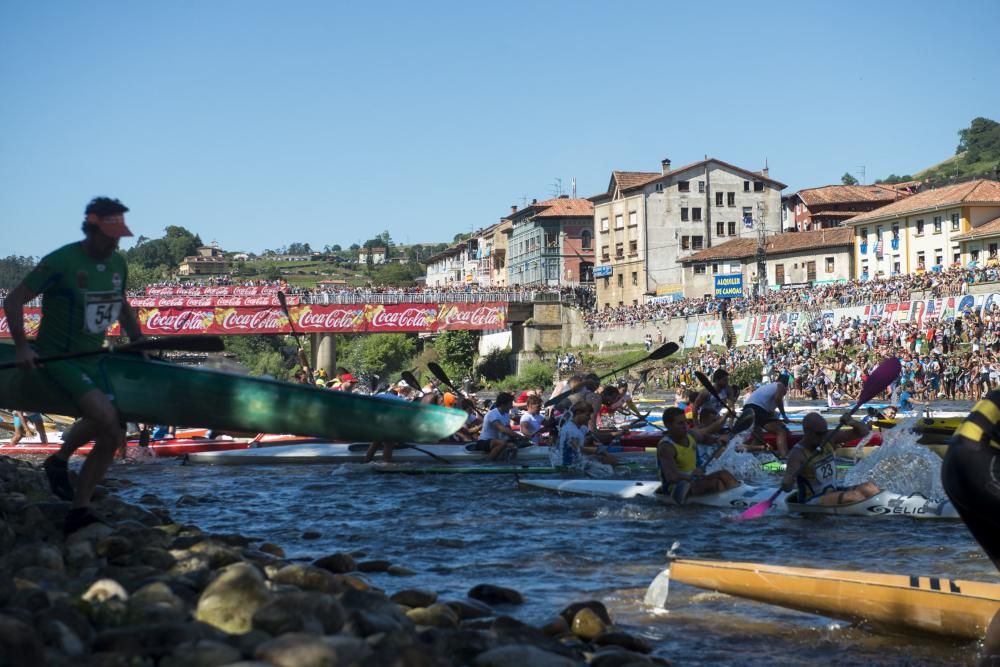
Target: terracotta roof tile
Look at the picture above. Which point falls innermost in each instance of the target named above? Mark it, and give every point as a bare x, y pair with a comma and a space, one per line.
754, 175
973, 192
627, 180
565, 208
777, 244
845, 194
836, 214
991, 228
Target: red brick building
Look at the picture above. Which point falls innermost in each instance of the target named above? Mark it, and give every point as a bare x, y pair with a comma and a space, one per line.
830, 205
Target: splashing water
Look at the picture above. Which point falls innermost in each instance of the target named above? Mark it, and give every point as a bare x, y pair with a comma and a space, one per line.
742, 465
900, 464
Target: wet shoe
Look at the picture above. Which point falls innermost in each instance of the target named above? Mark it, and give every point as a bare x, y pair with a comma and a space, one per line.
58, 473
81, 518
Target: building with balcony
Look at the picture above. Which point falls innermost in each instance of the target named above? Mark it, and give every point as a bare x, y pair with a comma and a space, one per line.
929, 231
376, 255
210, 260
552, 243
448, 267
830, 205
793, 259
647, 222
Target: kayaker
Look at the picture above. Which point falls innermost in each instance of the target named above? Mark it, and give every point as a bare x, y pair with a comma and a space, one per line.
532, 419
812, 464
23, 422
720, 381
83, 285
677, 459
496, 434
761, 406
400, 392
573, 443
970, 474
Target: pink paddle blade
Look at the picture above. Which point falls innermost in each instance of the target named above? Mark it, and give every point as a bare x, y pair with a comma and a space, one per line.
758, 510
880, 379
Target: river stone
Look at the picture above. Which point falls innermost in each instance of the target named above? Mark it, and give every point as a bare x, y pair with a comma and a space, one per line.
594, 605
311, 535
104, 590
338, 563
400, 571
157, 602
273, 549
38, 555
308, 577
436, 615
230, 601
350, 650
491, 594
619, 658
92, 533
150, 499
587, 624
19, 645
356, 582
65, 613
301, 611
519, 632
556, 627
154, 640
520, 656
186, 500
80, 554
624, 640
203, 653
374, 566
297, 650
113, 547
414, 597
60, 636
468, 609
217, 553
154, 557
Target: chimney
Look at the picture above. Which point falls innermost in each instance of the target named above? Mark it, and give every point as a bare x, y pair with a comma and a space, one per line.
665, 165
764, 172
513, 209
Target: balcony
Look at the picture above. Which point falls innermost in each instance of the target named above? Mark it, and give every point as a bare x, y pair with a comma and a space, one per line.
864, 248
894, 244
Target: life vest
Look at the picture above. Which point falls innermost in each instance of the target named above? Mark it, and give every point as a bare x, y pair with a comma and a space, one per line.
818, 474
685, 458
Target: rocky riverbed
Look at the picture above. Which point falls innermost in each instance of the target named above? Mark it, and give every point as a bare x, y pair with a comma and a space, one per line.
152, 592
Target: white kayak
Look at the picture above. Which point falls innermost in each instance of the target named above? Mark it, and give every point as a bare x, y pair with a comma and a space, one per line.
339, 452
884, 504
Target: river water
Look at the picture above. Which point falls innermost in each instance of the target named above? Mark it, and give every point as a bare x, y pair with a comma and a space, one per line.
457, 531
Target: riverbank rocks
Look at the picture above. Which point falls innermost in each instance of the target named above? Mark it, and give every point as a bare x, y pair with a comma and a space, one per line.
150, 592
491, 594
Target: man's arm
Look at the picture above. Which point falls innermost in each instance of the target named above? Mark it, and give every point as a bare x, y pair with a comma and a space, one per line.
129, 322
13, 306
858, 430
666, 453
792, 466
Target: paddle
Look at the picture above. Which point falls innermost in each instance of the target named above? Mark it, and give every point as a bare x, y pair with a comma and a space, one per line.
295, 334
172, 343
659, 353
877, 382
705, 382
411, 380
439, 373
407, 445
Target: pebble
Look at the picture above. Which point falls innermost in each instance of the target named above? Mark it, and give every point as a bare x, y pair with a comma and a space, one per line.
337, 563
374, 566
230, 601
587, 624
413, 597
311, 535
297, 650
273, 549
491, 594
522, 656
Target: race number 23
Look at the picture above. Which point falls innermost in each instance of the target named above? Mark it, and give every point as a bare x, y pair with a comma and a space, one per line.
102, 310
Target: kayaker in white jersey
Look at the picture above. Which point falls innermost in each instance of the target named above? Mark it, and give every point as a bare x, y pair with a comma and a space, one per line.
761, 406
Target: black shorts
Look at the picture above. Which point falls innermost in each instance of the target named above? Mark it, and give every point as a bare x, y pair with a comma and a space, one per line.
761, 417
970, 475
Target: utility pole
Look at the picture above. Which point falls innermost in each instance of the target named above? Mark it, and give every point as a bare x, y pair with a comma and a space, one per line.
761, 252
861, 170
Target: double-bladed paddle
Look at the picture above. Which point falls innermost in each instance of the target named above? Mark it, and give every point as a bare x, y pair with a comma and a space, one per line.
877, 382
661, 352
295, 334
169, 343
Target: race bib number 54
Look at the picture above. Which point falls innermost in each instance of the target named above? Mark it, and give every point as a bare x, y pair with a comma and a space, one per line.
101, 311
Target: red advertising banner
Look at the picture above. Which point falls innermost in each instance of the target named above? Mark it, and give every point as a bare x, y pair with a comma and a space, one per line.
218, 290
219, 320
209, 301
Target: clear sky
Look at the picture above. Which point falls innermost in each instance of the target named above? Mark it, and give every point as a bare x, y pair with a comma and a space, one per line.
258, 124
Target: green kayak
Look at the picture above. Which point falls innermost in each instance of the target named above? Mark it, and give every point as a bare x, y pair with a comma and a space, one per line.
779, 466
160, 392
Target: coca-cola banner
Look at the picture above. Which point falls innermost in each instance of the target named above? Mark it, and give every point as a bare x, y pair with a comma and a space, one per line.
397, 318
218, 290
208, 301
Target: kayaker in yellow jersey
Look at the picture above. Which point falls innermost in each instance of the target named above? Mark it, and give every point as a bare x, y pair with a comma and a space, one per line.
812, 465
677, 459
83, 287
970, 475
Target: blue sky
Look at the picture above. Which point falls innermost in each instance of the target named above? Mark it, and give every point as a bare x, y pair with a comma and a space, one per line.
259, 124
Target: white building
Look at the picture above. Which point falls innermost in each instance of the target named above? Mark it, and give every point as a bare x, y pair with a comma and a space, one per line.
377, 254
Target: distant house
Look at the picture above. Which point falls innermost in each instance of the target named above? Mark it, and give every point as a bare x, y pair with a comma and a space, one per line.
210, 260
331, 284
830, 205
240, 256
378, 255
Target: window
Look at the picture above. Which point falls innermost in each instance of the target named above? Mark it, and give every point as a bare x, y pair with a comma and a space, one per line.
632, 219
607, 284
829, 264
696, 243
864, 235
895, 264
699, 269
779, 274
921, 260
864, 269
937, 224
747, 216
720, 229
635, 277
683, 186
635, 302
993, 250
718, 198
938, 257
684, 214
659, 187
621, 283
758, 186
619, 250
701, 187
746, 186
586, 240
604, 252
975, 255
732, 228
810, 271
895, 232
604, 224
696, 214
730, 199
684, 242
955, 223
920, 227
633, 248
618, 221
956, 256
715, 268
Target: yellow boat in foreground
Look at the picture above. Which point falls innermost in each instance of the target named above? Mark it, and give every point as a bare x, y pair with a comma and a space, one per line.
888, 602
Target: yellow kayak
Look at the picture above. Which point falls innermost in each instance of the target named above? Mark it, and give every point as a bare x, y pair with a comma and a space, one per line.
892, 602
925, 424
852, 452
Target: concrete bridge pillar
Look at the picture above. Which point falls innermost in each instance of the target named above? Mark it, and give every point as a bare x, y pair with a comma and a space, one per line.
324, 352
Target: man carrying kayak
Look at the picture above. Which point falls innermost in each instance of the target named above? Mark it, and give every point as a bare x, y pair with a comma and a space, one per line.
83, 288
677, 459
970, 475
812, 464
759, 410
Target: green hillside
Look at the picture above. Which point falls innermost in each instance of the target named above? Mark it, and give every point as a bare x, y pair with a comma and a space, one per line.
977, 154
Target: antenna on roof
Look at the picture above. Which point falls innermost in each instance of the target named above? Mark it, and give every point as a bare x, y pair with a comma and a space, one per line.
574, 187
557, 188
861, 170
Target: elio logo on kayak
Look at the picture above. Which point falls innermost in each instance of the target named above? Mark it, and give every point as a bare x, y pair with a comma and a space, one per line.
907, 505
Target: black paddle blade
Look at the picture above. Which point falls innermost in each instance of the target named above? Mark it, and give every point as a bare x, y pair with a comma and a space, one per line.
439, 373
282, 301
745, 421
409, 379
664, 351
177, 343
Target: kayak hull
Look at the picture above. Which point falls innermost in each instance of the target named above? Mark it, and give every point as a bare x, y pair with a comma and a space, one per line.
157, 448
339, 452
898, 603
159, 392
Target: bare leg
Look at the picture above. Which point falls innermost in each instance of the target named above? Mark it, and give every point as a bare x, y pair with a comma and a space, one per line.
99, 411
81, 432
372, 450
